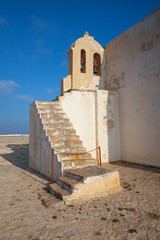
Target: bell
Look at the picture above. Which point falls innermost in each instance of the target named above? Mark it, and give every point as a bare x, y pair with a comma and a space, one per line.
95, 70
81, 67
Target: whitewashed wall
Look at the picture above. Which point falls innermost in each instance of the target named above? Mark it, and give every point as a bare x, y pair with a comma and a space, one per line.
108, 125
80, 107
133, 69
40, 152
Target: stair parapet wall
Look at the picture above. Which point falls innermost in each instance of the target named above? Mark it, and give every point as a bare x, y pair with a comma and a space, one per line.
40, 150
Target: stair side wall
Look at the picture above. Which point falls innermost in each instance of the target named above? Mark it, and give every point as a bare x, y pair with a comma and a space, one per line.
40, 151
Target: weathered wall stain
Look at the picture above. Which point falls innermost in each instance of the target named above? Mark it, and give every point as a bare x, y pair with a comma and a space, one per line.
149, 45
116, 82
110, 124
135, 76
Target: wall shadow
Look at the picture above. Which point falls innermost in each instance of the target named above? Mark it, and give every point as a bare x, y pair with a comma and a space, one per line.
20, 158
103, 79
136, 166
19, 155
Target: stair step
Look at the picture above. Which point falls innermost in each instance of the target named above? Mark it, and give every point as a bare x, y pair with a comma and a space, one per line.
70, 149
49, 108
68, 156
69, 174
56, 120
48, 200
57, 191
52, 115
87, 172
67, 183
51, 132
48, 103
59, 125
64, 138
64, 143
78, 163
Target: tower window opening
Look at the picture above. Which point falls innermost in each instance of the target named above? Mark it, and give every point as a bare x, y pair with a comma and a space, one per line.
83, 61
96, 64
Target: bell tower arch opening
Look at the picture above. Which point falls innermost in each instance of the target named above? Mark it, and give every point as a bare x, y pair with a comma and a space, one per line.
83, 61
97, 64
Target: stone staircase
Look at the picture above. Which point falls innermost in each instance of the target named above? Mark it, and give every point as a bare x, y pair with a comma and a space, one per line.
81, 177
85, 183
62, 136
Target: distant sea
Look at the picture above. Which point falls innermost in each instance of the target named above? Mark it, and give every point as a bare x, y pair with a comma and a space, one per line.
3, 135
21, 127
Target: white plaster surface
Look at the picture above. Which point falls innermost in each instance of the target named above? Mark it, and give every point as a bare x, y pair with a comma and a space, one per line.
80, 109
133, 69
40, 151
108, 125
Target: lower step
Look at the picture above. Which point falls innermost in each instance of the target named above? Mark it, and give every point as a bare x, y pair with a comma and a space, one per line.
78, 163
83, 184
67, 183
77, 156
57, 191
48, 200
94, 181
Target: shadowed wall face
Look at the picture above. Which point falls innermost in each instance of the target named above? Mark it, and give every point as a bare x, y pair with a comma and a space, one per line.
133, 69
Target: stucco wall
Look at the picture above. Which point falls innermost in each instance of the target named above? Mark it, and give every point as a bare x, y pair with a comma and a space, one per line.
95, 114
40, 151
80, 109
65, 84
108, 125
86, 80
133, 69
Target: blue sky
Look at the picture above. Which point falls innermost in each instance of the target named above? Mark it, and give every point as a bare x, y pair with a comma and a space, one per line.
35, 36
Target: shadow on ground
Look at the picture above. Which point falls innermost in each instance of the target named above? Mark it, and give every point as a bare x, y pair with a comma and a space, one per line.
19, 155
20, 158
136, 166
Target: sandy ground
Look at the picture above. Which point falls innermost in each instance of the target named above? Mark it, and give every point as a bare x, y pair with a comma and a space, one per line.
133, 213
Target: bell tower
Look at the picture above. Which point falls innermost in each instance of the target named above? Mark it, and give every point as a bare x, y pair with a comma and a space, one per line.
85, 58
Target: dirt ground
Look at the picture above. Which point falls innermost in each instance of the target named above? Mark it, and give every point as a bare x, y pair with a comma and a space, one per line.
133, 213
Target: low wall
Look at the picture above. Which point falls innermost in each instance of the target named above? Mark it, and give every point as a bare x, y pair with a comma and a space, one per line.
40, 151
